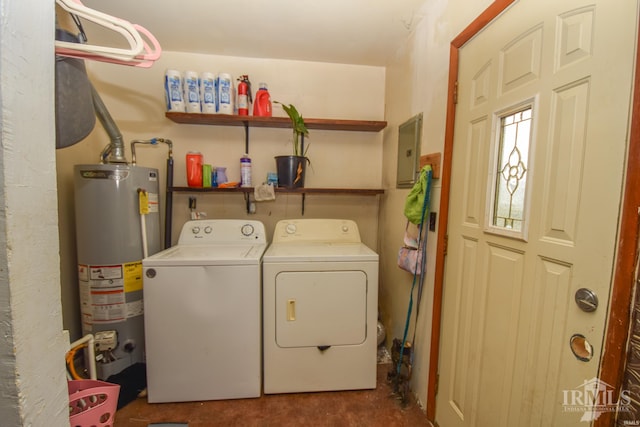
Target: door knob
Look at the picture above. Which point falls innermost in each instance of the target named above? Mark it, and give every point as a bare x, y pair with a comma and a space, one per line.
586, 300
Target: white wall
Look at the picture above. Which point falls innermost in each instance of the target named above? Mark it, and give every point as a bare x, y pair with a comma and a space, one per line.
416, 82
135, 99
32, 347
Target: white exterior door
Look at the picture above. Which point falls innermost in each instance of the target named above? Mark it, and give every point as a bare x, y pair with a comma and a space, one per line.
539, 147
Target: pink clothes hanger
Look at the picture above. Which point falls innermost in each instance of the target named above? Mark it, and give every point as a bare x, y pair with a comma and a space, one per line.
140, 54
144, 60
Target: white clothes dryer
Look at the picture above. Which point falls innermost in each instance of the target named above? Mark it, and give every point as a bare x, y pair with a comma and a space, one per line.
202, 312
320, 303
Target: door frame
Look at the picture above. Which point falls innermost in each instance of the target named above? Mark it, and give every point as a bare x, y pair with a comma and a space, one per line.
619, 317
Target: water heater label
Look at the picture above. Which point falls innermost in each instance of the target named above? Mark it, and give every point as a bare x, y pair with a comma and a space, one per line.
104, 312
102, 272
115, 175
135, 308
153, 203
102, 296
103, 291
101, 306
83, 272
133, 276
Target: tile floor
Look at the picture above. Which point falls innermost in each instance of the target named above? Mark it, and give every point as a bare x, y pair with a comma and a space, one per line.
366, 408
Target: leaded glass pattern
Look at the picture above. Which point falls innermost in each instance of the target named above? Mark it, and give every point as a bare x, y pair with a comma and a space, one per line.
512, 168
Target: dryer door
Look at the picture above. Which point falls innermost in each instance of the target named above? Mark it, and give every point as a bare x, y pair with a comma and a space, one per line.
321, 308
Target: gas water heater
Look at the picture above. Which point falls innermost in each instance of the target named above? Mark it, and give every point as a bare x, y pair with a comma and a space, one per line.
117, 223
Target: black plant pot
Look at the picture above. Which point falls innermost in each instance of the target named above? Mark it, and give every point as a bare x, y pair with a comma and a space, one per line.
291, 170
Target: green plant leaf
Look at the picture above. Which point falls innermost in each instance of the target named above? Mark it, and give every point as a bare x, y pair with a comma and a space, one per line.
299, 128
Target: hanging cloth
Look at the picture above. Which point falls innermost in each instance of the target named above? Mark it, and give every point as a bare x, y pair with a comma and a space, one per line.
413, 206
416, 209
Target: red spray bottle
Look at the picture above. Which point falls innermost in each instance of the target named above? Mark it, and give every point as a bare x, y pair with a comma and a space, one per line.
244, 95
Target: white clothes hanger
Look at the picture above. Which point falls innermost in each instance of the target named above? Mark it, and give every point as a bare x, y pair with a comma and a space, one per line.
144, 60
139, 54
123, 27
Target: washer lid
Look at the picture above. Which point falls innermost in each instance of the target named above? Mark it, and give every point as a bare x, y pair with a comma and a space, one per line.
319, 252
207, 255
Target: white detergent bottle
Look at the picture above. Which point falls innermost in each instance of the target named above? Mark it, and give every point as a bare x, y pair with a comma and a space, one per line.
173, 91
208, 93
192, 91
225, 94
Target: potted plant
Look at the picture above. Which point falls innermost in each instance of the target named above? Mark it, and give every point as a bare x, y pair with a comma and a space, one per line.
291, 169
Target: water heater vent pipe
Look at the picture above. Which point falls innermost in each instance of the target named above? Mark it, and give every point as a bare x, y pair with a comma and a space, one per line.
114, 152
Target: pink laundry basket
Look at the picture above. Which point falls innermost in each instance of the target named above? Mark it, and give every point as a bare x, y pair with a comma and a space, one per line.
92, 403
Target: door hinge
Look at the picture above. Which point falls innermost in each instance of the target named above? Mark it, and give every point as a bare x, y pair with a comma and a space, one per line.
437, 383
455, 92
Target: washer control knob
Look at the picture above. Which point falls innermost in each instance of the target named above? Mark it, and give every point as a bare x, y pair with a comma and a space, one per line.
247, 230
195, 230
208, 229
291, 228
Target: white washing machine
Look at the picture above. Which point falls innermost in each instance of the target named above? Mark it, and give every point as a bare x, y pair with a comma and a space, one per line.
320, 303
202, 312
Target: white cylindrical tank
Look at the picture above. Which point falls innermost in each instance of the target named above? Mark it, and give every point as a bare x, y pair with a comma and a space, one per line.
110, 248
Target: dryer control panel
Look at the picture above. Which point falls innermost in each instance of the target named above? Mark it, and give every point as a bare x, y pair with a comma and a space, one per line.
316, 230
214, 231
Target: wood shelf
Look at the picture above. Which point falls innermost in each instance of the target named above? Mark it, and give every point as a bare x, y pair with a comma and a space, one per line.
248, 191
352, 191
275, 122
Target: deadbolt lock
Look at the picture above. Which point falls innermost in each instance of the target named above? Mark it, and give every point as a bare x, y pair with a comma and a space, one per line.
586, 300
